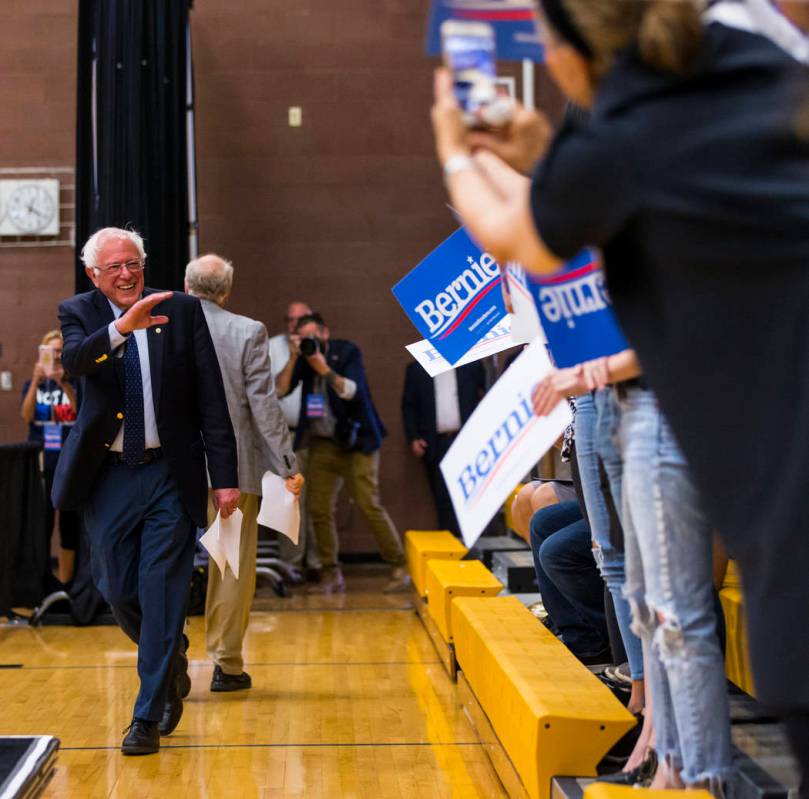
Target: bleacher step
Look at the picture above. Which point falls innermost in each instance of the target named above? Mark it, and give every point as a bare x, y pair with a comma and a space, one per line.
516, 571
486, 546
772, 775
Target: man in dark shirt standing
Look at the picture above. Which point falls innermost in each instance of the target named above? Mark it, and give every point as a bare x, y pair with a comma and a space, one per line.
344, 433
153, 409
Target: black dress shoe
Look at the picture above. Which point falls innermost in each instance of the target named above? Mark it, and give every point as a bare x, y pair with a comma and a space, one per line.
230, 682
181, 669
173, 711
142, 738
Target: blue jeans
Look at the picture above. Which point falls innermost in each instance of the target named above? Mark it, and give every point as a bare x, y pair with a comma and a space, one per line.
594, 437
571, 589
668, 543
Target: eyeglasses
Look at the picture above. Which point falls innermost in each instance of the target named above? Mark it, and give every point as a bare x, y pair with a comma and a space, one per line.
114, 269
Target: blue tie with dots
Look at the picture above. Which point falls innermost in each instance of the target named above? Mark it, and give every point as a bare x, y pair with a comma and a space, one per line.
134, 426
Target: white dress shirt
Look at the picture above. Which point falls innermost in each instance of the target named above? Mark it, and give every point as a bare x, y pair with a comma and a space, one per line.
291, 403
447, 409
149, 418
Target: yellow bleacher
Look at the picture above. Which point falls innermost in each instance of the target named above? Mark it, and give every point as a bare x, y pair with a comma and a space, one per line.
549, 713
602, 790
450, 579
737, 657
424, 545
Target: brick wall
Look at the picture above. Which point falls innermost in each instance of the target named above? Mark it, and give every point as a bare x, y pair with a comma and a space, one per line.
333, 212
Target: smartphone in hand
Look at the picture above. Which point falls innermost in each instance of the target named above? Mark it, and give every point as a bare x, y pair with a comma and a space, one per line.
469, 52
46, 360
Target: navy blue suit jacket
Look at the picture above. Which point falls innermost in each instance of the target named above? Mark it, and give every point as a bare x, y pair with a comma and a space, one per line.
345, 359
418, 401
189, 398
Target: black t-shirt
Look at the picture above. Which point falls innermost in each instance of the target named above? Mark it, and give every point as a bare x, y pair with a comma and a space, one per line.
697, 192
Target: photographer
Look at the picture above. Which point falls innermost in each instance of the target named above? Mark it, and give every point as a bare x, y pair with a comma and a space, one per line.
339, 424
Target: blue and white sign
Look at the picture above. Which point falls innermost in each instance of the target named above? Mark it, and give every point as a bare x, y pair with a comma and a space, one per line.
576, 312
453, 296
499, 338
500, 443
513, 21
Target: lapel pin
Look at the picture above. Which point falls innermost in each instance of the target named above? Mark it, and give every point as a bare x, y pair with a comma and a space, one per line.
158, 330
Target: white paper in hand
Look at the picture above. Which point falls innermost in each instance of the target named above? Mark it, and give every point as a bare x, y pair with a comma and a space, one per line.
280, 510
222, 540
213, 543
230, 533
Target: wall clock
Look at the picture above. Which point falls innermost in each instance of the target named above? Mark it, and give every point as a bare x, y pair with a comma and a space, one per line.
29, 207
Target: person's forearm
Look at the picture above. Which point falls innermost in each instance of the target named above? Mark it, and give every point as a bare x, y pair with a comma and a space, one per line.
29, 403
283, 381
497, 213
343, 386
623, 366
70, 393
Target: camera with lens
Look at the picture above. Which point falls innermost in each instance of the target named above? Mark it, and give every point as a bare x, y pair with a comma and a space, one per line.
310, 345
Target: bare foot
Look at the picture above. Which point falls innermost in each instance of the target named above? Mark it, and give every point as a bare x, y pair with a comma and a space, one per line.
642, 744
636, 698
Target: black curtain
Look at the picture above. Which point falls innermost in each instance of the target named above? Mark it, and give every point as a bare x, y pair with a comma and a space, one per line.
24, 556
131, 152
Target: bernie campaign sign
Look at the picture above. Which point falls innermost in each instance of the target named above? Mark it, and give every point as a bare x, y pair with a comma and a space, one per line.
513, 21
499, 338
453, 296
500, 442
576, 312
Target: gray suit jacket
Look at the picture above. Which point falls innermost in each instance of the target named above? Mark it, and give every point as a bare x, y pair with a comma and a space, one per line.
262, 436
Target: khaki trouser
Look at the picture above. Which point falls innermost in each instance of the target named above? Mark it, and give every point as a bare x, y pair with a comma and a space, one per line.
304, 553
327, 464
227, 604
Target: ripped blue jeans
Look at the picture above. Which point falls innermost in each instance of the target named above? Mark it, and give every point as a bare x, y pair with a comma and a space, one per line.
596, 420
669, 585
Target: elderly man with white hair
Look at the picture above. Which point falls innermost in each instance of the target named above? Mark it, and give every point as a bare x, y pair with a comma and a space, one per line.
263, 443
153, 412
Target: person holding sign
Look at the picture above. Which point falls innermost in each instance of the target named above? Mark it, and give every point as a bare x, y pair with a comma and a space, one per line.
693, 178
49, 406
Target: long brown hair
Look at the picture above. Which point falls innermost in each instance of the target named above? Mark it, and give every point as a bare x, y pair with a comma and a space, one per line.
667, 33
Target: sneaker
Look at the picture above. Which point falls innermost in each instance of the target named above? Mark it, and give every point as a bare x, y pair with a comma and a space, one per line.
619, 674
333, 582
222, 682
399, 581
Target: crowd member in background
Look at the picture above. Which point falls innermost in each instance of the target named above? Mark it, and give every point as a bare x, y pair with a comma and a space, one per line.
49, 406
571, 588
434, 409
263, 443
153, 412
303, 555
343, 432
685, 214
602, 498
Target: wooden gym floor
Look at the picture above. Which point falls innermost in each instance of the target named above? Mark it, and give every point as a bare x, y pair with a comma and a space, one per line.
349, 700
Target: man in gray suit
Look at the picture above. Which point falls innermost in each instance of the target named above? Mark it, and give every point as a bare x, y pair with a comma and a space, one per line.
263, 442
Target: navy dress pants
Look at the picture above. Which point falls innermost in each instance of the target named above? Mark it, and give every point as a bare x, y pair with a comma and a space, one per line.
142, 544
571, 587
